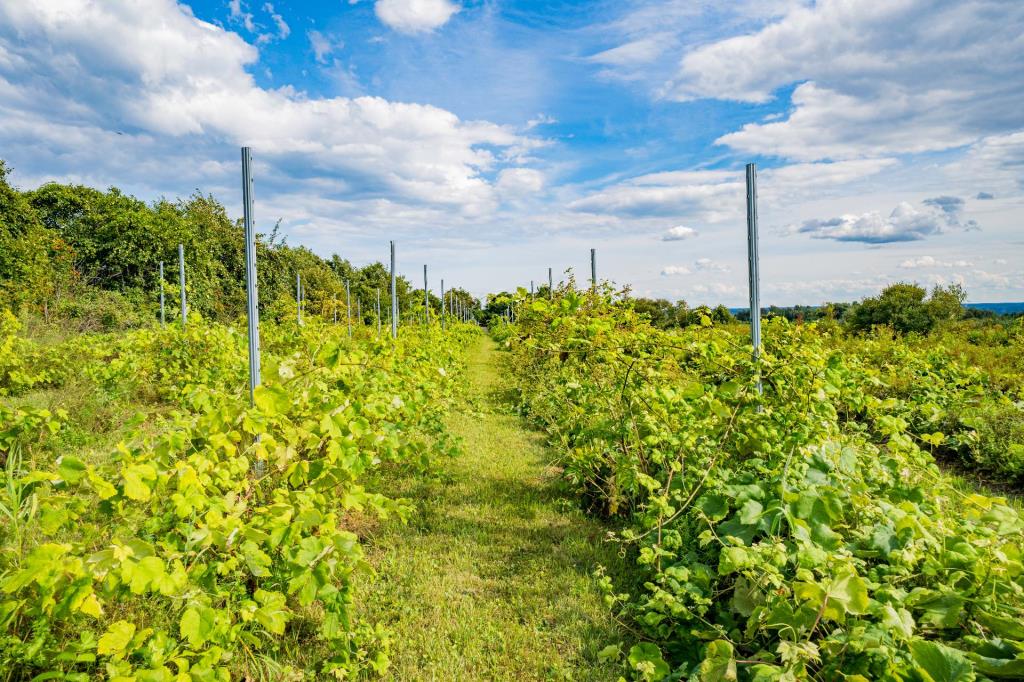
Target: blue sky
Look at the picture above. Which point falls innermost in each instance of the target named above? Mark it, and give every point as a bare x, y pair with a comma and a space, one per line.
495, 139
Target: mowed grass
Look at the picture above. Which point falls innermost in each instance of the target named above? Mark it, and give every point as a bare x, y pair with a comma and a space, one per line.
492, 577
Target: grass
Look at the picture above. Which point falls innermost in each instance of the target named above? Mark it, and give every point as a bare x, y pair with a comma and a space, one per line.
491, 578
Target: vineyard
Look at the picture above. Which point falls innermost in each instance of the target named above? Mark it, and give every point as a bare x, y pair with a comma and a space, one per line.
186, 547
786, 516
775, 519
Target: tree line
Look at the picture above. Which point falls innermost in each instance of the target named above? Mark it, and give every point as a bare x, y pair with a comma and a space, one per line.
76, 253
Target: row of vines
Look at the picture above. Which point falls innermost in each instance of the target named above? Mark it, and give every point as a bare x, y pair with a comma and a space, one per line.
785, 519
213, 541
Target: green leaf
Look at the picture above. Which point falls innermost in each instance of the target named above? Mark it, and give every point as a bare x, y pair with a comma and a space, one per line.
197, 624
144, 574
719, 664
271, 400
115, 639
135, 477
272, 614
939, 663
71, 469
750, 513
646, 659
850, 590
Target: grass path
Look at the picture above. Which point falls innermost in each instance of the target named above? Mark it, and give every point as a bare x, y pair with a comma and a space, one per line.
492, 577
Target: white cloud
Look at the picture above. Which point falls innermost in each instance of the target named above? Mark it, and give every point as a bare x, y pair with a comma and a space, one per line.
673, 270
283, 30
415, 16
905, 223
323, 45
640, 51
679, 233
156, 71
932, 262
238, 15
708, 265
717, 195
520, 181
716, 288
540, 119
873, 78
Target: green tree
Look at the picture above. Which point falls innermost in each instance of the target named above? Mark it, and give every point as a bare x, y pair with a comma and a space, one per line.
906, 308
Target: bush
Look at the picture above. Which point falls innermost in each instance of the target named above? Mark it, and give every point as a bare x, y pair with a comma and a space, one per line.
907, 308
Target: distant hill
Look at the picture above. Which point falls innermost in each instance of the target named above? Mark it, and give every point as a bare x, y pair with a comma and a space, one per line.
1008, 308
1004, 308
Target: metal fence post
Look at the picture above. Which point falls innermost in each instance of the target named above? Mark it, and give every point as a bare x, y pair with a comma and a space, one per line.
752, 259
426, 298
298, 299
442, 305
593, 270
551, 285
394, 296
531, 289
348, 307
181, 283
378, 312
162, 323
359, 311
251, 291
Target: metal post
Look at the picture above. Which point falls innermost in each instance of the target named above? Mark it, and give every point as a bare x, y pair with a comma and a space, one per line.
442, 305
593, 270
378, 313
359, 311
531, 289
394, 296
161, 293
752, 258
181, 282
348, 307
426, 298
298, 298
251, 292
551, 285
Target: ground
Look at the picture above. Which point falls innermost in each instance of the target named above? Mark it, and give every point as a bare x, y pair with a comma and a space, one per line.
492, 576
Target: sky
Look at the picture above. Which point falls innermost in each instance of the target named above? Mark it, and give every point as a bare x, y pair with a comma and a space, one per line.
495, 139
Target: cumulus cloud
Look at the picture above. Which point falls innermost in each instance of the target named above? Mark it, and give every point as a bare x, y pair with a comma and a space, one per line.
679, 233
948, 205
716, 288
905, 223
717, 195
171, 81
872, 78
674, 270
520, 181
709, 265
932, 262
415, 16
985, 195
952, 208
